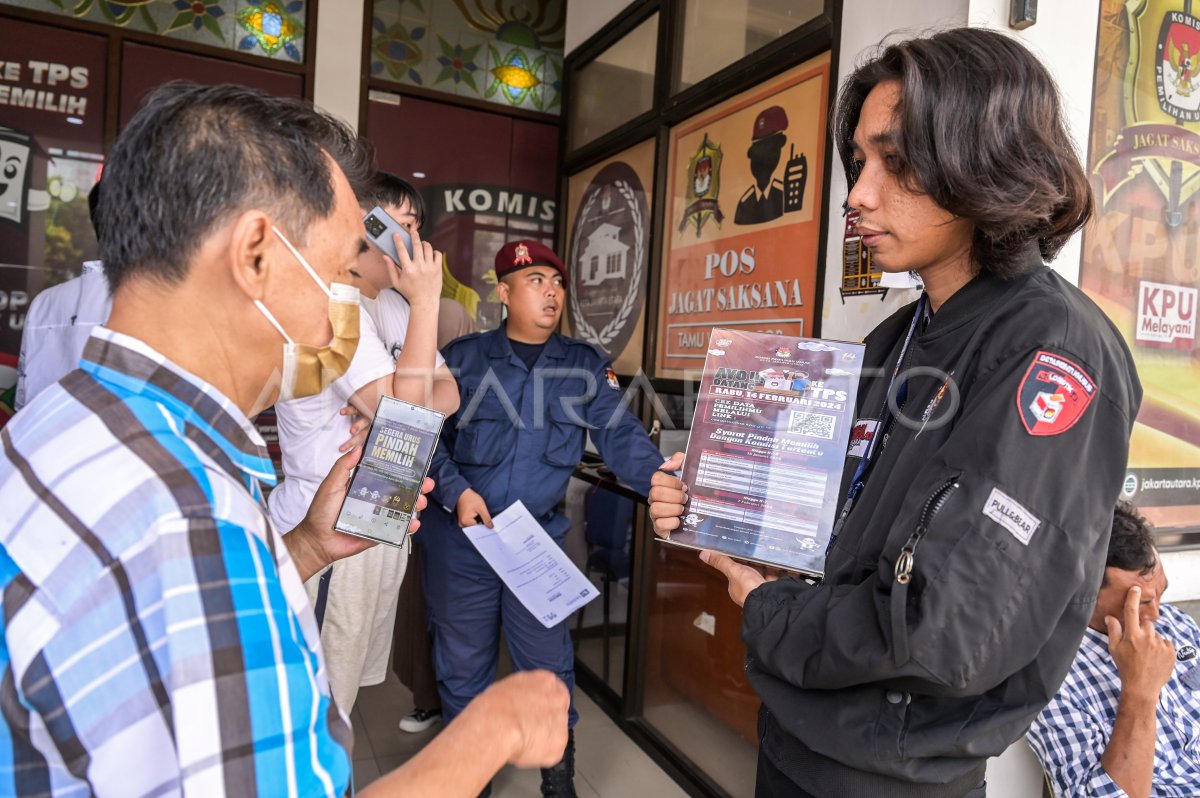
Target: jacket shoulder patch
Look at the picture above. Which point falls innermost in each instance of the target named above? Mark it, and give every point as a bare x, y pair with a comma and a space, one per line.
1053, 394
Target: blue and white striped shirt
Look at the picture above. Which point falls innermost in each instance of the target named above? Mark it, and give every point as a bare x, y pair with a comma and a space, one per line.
1070, 735
156, 637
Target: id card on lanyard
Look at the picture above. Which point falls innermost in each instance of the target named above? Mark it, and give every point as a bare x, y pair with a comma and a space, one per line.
887, 420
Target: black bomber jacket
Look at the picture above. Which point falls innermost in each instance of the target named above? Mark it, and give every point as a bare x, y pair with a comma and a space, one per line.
959, 587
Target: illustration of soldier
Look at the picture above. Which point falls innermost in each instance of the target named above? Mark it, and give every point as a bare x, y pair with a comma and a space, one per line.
769, 197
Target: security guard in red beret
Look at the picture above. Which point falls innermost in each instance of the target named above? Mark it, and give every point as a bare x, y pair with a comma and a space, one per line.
529, 399
763, 201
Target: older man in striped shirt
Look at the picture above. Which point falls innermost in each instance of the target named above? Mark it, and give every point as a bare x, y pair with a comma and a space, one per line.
156, 639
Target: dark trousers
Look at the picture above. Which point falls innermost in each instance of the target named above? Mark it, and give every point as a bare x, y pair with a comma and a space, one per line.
412, 648
772, 783
467, 604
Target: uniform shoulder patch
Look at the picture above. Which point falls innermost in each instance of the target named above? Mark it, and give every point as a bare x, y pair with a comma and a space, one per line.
613, 382
1053, 394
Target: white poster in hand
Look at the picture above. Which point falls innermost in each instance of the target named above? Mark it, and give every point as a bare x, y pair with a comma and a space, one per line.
532, 565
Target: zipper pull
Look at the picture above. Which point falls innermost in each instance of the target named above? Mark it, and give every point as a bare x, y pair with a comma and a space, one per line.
904, 568
905, 562
907, 558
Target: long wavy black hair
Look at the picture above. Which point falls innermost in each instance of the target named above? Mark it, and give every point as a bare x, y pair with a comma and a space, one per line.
980, 131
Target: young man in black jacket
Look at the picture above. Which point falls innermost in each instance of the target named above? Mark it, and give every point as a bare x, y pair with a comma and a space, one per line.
973, 528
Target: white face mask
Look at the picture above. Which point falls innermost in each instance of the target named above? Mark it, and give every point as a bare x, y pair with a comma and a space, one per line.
308, 369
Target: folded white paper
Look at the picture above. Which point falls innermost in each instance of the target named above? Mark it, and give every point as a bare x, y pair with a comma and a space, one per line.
532, 565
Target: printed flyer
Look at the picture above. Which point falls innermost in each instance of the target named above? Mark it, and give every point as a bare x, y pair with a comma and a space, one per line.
387, 483
767, 446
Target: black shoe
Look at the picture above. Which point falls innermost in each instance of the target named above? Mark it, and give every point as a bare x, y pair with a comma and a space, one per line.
559, 781
419, 720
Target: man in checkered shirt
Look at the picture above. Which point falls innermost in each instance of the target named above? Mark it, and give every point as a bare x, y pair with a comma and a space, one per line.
1127, 719
155, 637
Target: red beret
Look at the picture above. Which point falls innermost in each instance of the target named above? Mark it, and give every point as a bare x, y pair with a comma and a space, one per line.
771, 121
519, 254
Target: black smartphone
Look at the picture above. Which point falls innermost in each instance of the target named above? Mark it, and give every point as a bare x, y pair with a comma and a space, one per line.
387, 482
380, 229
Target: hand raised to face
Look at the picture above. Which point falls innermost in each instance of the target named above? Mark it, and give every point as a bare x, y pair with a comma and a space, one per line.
1144, 658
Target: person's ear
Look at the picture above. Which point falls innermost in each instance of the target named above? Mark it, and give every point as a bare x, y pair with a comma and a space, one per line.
502, 292
250, 250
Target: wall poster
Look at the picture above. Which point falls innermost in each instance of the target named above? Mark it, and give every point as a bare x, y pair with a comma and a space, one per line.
741, 236
608, 254
1140, 254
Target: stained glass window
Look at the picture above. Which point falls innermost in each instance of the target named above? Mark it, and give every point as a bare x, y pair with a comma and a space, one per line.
272, 28
508, 52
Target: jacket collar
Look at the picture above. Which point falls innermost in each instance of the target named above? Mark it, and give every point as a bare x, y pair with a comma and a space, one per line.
977, 297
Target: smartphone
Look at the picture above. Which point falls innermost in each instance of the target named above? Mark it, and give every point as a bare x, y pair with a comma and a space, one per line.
380, 229
387, 482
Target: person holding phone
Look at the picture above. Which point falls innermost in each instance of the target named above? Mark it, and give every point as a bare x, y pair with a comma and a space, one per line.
155, 637
397, 356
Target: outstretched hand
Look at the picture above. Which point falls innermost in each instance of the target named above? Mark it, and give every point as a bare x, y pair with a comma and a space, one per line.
534, 704
315, 544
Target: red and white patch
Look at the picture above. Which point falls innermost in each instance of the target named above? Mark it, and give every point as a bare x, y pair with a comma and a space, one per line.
613, 382
1053, 394
861, 436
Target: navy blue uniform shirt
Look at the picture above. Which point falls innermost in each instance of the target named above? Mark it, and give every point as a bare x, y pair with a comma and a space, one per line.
519, 433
